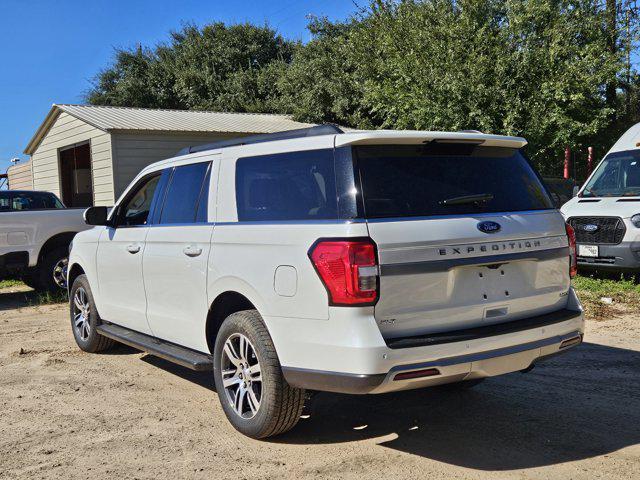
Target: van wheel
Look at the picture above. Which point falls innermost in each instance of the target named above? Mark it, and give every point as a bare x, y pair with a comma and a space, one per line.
85, 318
51, 272
254, 395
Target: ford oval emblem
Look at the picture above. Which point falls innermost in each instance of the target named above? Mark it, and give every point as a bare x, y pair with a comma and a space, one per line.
489, 227
590, 228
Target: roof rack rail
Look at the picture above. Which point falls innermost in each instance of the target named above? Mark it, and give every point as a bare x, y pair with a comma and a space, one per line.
325, 129
469, 131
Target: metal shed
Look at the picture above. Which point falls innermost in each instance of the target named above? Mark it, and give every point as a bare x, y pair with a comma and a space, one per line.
20, 176
87, 155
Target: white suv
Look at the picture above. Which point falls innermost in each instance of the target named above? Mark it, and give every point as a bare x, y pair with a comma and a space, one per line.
362, 262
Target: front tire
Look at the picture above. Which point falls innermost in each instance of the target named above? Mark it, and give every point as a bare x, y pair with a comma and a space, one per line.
85, 318
253, 393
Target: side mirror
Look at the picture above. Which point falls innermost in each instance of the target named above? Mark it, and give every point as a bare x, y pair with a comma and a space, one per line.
96, 216
576, 189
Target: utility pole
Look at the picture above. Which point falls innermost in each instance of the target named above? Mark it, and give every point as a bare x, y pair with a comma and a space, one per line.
567, 163
611, 14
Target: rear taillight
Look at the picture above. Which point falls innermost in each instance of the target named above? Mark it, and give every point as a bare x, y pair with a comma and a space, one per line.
348, 269
573, 259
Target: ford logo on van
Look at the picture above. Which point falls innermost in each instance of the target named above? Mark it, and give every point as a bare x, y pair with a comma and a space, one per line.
590, 228
489, 227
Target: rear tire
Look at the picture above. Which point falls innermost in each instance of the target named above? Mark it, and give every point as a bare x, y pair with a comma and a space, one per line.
247, 374
51, 273
85, 318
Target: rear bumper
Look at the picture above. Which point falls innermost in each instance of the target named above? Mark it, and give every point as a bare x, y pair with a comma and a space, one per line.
625, 256
445, 370
349, 355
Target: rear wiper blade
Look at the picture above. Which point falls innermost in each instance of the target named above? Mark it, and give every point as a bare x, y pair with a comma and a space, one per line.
465, 199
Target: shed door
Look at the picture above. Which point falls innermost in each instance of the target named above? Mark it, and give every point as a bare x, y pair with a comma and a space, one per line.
76, 181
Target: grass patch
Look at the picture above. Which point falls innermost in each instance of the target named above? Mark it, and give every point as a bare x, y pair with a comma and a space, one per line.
624, 293
10, 283
48, 298
29, 297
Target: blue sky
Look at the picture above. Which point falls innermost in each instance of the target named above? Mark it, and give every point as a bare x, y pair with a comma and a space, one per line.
50, 50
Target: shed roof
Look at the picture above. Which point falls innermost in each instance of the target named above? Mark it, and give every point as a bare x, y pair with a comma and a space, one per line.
148, 119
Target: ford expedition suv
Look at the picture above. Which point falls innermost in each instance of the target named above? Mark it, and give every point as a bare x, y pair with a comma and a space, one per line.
363, 262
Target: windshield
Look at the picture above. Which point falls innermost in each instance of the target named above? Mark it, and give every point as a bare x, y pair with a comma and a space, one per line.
17, 201
446, 179
617, 176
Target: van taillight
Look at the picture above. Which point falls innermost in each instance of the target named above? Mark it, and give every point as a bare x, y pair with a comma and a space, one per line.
348, 269
573, 259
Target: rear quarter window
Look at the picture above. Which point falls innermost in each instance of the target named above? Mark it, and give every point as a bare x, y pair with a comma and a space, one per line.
286, 186
417, 180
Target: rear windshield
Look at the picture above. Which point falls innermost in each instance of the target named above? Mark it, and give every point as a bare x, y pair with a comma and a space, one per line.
446, 179
617, 176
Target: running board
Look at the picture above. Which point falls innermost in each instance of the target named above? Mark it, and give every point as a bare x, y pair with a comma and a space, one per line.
159, 348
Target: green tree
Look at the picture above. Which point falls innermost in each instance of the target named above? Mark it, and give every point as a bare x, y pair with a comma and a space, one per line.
558, 72
537, 69
216, 67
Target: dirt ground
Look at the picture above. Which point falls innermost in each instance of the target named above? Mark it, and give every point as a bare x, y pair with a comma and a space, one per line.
66, 414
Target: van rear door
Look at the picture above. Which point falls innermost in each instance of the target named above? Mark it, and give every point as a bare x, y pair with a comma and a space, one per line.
466, 235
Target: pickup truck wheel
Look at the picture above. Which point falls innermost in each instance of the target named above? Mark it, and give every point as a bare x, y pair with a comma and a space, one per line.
254, 395
85, 318
51, 272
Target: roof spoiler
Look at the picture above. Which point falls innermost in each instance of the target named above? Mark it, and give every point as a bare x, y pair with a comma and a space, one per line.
326, 129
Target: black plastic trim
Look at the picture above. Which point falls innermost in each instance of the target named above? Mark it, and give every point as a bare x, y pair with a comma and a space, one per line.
476, 333
159, 348
332, 381
326, 129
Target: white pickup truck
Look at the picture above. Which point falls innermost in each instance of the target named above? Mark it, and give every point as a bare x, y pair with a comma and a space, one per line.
35, 232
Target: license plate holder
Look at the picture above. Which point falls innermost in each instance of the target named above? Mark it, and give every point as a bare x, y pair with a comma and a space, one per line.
588, 251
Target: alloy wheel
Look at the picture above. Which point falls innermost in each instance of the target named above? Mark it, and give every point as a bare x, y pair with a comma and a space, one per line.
81, 313
241, 375
60, 272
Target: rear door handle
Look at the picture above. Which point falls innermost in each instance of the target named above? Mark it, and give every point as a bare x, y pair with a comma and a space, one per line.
133, 248
192, 251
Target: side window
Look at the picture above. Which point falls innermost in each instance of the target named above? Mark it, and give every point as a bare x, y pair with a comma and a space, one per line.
4, 203
158, 198
187, 195
135, 210
287, 186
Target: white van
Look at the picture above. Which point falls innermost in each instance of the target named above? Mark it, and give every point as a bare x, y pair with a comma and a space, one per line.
606, 212
362, 262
